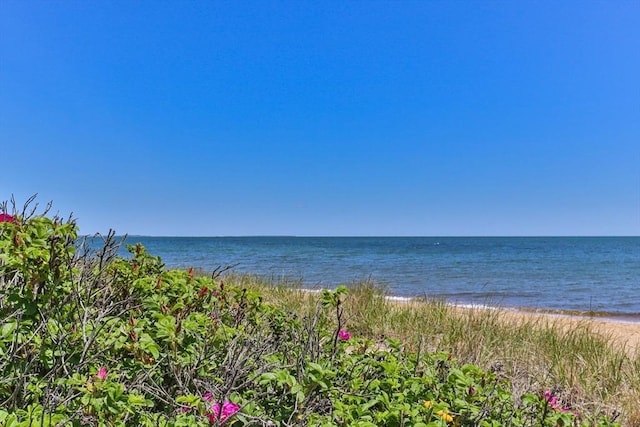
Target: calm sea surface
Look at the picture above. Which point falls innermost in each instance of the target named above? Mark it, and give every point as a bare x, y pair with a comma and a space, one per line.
565, 273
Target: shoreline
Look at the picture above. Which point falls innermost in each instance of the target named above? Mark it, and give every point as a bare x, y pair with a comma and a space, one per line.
631, 318
556, 313
549, 312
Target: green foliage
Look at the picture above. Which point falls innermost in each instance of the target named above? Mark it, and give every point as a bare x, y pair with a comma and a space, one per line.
90, 338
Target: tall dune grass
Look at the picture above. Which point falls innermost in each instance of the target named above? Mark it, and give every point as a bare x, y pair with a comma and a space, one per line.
536, 353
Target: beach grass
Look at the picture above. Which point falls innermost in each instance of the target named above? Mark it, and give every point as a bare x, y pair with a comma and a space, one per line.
589, 369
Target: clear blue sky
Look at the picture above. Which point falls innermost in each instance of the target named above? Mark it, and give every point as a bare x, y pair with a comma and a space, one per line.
325, 118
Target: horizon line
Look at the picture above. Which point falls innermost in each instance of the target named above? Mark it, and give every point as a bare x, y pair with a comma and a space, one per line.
368, 236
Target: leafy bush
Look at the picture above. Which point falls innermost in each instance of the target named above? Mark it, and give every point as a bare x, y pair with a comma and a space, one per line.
88, 338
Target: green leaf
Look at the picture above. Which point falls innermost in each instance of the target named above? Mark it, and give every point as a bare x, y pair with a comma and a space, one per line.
149, 345
137, 400
266, 378
6, 330
370, 404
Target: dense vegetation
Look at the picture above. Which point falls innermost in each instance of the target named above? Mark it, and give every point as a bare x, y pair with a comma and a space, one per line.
89, 338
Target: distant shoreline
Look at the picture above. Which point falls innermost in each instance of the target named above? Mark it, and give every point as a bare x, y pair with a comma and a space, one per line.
364, 236
583, 315
551, 313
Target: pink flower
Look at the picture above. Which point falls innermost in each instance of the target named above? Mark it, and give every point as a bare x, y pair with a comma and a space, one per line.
344, 335
208, 396
553, 402
102, 373
228, 409
6, 218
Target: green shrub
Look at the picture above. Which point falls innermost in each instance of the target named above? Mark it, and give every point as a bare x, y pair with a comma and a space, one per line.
90, 338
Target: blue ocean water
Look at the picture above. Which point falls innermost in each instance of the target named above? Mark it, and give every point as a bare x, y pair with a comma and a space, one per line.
600, 274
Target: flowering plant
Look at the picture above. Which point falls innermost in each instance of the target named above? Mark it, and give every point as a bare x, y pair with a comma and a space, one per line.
6, 218
344, 335
228, 409
102, 373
